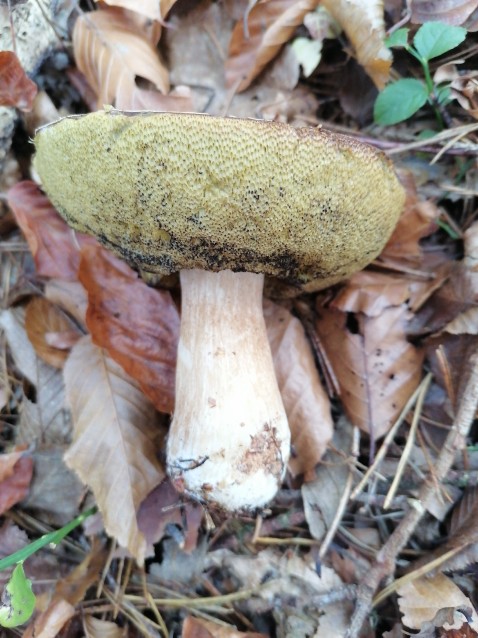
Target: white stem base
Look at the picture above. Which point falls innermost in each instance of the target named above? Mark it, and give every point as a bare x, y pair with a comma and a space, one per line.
229, 440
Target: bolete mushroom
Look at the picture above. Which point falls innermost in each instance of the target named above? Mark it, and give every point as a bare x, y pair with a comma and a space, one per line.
224, 201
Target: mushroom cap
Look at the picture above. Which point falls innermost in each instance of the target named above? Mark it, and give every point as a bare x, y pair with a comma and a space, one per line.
168, 191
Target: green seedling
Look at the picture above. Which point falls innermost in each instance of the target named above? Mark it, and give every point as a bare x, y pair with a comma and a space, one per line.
401, 99
18, 600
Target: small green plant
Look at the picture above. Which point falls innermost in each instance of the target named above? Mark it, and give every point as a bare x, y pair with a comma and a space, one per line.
401, 99
18, 600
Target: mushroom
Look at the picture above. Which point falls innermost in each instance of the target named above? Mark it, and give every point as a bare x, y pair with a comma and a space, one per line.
225, 202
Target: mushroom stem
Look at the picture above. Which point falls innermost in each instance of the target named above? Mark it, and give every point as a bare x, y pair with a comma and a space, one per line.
229, 440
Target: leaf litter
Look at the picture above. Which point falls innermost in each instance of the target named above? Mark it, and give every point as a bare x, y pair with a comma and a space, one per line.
88, 355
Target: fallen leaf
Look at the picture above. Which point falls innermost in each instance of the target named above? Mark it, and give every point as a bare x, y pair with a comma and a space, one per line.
324, 493
376, 367
50, 623
163, 507
55, 492
16, 88
69, 295
14, 487
421, 600
111, 54
363, 23
153, 9
54, 246
305, 401
450, 12
138, 325
418, 220
43, 418
98, 628
114, 450
464, 89
198, 628
269, 26
42, 319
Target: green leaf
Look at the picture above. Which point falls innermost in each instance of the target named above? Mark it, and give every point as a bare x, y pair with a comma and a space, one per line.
398, 38
399, 101
18, 600
443, 94
434, 38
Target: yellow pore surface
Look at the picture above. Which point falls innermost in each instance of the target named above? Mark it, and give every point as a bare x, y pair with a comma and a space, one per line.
168, 191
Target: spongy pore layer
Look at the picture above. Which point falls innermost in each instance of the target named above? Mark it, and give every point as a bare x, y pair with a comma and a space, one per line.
168, 191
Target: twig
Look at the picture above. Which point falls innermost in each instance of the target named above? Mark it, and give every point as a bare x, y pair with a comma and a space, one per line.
386, 557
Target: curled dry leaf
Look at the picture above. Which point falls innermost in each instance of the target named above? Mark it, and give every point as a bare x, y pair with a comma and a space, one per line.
69, 295
269, 26
98, 628
199, 628
114, 449
111, 53
138, 325
52, 243
43, 321
306, 404
363, 22
422, 599
16, 479
153, 9
376, 367
450, 12
16, 88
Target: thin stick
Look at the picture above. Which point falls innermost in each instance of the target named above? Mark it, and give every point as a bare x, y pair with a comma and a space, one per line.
386, 557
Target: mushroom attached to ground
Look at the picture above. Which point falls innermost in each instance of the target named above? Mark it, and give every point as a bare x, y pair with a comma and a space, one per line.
224, 201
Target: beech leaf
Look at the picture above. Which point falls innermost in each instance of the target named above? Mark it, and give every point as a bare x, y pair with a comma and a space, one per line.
138, 325
451, 12
16, 88
376, 367
199, 628
111, 53
16, 481
363, 22
422, 599
42, 319
306, 404
113, 450
153, 9
52, 243
269, 26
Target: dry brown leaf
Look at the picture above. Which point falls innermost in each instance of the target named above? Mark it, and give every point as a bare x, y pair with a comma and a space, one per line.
114, 450
111, 54
50, 623
421, 600
270, 25
323, 495
16, 479
98, 628
464, 89
43, 321
448, 11
417, 221
43, 419
16, 88
138, 325
363, 22
376, 367
152, 9
164, 506
198, 628
69, 295
52, 243
306, 403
